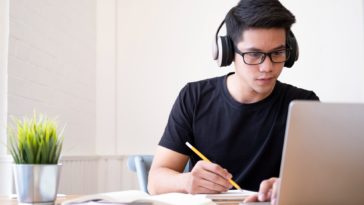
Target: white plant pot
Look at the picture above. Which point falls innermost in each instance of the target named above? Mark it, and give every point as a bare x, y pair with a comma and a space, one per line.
37, 184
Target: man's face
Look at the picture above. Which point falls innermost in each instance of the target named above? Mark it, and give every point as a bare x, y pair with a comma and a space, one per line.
259, 80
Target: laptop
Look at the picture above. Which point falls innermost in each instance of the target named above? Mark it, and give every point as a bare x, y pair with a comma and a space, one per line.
323, 154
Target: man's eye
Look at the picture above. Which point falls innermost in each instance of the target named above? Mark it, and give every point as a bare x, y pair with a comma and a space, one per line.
254, 54
279, 53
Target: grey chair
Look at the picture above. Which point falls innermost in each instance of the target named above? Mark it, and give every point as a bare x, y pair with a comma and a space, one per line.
140, 164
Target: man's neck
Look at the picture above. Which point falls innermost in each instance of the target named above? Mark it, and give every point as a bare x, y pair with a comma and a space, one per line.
243, 93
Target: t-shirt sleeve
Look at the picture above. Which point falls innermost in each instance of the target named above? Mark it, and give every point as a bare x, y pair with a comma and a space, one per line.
310, 95
179, 125
301, 94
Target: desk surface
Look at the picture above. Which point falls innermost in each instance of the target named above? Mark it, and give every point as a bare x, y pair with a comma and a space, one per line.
9, 201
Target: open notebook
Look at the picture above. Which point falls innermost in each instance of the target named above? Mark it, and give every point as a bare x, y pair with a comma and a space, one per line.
135, 197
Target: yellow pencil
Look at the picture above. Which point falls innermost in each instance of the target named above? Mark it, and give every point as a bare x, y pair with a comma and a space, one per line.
205, 158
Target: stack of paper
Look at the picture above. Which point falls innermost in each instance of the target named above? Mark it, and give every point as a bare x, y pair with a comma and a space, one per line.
231, 195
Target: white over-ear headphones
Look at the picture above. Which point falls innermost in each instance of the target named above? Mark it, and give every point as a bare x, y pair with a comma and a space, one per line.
223, 49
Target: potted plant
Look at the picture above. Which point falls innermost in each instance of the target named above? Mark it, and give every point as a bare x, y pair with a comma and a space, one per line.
35, 147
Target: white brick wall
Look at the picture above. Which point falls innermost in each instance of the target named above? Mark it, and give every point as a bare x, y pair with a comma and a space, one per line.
52, 65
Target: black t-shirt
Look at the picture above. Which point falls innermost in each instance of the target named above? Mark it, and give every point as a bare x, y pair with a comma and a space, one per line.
246, 139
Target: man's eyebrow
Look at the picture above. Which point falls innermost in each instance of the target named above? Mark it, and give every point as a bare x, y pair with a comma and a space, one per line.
253, 49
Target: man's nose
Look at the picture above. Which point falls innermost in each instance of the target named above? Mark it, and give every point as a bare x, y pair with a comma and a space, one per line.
266, 66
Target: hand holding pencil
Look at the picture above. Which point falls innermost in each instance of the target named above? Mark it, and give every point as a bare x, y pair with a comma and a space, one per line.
212, 177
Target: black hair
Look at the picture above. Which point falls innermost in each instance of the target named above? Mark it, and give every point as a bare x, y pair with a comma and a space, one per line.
257, 14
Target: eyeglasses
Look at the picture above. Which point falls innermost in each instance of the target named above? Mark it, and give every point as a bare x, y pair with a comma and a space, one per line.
255, 57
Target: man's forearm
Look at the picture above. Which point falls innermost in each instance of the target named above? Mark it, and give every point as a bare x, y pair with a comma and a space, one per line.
163, 180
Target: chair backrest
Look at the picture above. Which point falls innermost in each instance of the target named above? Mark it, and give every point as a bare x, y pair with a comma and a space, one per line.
140, 164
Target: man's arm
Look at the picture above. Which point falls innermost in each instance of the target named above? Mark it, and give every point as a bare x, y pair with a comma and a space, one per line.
166, 175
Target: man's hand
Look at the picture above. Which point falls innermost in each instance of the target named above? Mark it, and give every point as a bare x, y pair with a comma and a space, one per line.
207, 178
268, 191
166, 175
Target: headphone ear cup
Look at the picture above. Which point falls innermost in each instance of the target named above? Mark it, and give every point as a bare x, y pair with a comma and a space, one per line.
225, 50
294, 50
215, 49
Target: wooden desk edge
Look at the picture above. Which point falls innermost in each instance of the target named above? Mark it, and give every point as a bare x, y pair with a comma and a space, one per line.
4, 200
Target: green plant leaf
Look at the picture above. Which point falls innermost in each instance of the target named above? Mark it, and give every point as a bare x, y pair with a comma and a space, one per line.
58, 151
39, 151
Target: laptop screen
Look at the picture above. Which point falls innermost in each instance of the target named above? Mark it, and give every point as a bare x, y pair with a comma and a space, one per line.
323, 155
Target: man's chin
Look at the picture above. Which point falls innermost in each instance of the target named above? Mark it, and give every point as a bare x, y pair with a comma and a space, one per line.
265, 89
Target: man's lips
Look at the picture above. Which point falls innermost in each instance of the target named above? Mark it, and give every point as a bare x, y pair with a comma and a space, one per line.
265, 78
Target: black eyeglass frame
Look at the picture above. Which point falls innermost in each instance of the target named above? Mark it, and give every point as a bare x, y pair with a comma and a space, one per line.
288, 53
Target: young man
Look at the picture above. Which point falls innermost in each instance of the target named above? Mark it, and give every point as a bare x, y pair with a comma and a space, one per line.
238, 120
